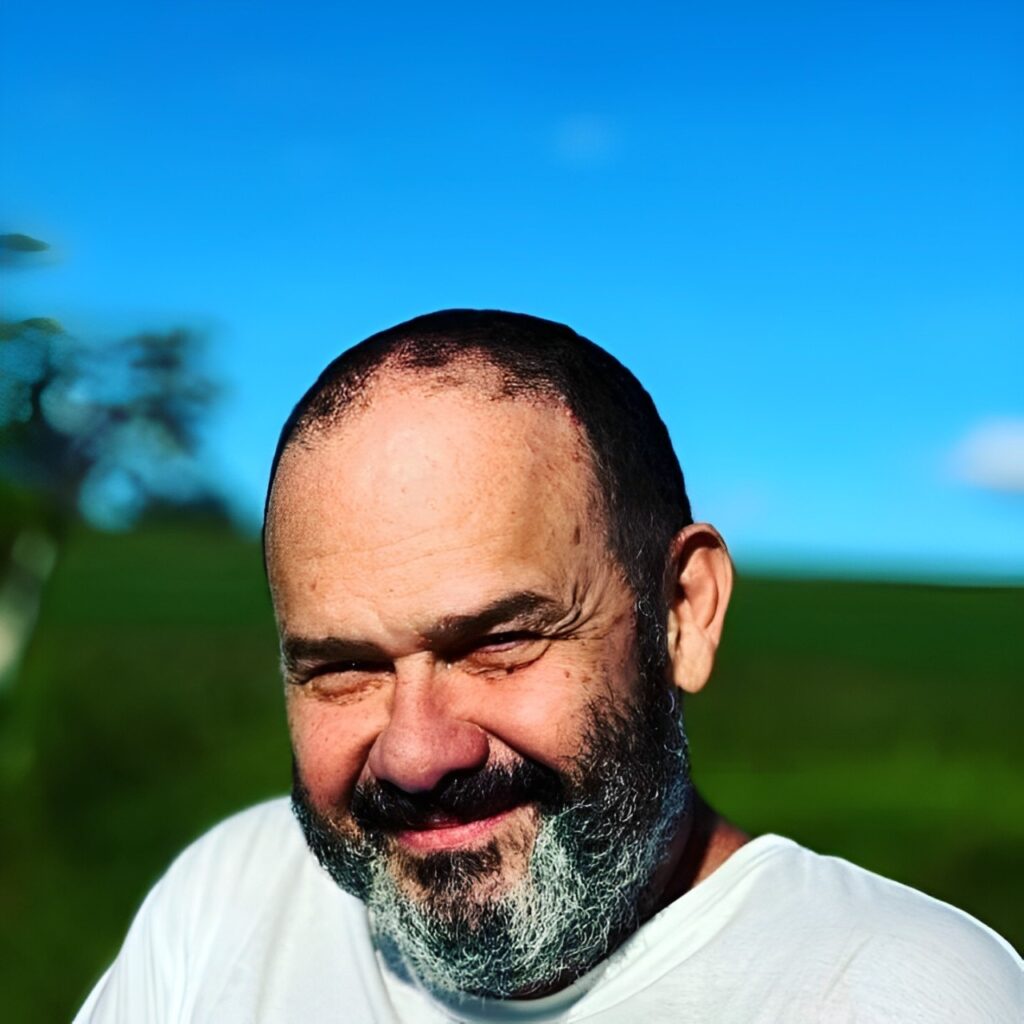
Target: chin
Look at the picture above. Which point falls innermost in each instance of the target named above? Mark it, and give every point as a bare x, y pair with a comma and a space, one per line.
462, 881
542, 895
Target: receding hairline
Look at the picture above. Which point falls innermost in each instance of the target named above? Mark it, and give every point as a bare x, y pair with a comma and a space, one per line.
472, 370
640, 486
478, 379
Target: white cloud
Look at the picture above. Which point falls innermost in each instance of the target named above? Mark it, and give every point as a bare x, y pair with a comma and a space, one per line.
991, 455
585, 139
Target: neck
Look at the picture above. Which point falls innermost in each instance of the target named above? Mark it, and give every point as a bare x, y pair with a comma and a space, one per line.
704, 843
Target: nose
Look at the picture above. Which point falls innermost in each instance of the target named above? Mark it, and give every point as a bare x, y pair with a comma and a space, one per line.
423, 740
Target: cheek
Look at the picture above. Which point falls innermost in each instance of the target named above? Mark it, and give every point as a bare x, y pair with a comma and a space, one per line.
330, 744
543, 713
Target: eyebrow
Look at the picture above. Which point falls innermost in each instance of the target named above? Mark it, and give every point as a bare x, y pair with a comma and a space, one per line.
524, 609
301, 651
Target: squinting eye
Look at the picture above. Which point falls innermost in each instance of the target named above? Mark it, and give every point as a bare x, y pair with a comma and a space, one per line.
504, 651
496, 643
504, 641
354, 666
344, 681
343, 669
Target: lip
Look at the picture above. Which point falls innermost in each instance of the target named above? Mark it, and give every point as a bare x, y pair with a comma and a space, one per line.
451, 836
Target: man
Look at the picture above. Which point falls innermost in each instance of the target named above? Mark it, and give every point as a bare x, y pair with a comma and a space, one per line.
491, 598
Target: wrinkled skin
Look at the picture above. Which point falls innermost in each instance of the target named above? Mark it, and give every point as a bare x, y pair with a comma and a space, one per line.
448, 604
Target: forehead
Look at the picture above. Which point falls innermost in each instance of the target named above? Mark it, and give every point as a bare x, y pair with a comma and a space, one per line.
432, 494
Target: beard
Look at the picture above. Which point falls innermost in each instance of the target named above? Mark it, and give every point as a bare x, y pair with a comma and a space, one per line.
452, 922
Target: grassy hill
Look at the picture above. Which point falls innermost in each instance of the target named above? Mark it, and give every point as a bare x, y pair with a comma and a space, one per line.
877, 722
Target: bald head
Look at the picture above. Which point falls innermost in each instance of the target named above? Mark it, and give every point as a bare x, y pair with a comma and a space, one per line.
499, 356
431, 491
414, 445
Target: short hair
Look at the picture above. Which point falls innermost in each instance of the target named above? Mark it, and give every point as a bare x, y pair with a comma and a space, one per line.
638, 476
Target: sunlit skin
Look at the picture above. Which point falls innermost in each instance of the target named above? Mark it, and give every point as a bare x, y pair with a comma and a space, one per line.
446, 599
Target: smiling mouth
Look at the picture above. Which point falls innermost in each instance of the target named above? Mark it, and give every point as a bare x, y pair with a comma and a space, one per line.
446, 832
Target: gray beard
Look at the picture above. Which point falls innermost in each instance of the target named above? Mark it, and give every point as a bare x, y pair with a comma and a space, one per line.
588, 881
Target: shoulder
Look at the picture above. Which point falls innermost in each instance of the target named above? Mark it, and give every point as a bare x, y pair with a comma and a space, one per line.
836, 889
252, 865
224, 898
254, 840
895, 945
246, 851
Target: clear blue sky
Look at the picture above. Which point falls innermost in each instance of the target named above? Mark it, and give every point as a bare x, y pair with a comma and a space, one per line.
800, 224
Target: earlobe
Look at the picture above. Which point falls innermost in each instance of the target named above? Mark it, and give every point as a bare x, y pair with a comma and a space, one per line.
701, 581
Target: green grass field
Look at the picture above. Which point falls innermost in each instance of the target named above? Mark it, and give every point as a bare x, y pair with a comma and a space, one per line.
877, 722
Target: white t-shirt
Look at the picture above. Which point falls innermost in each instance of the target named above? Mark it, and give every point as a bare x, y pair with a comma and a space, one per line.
246, 927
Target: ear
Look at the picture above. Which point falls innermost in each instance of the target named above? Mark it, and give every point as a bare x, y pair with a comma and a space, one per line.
700, 582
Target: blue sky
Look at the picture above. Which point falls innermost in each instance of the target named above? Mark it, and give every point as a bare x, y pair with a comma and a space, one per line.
799, 224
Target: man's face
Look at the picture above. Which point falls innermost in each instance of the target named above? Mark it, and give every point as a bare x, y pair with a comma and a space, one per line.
460, 656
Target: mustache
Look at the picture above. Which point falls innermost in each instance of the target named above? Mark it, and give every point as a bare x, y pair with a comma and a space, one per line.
465, 796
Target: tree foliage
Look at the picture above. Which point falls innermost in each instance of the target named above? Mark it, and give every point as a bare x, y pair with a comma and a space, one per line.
99, 430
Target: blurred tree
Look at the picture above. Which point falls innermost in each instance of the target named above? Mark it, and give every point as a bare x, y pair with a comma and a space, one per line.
100, 431
14, 246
